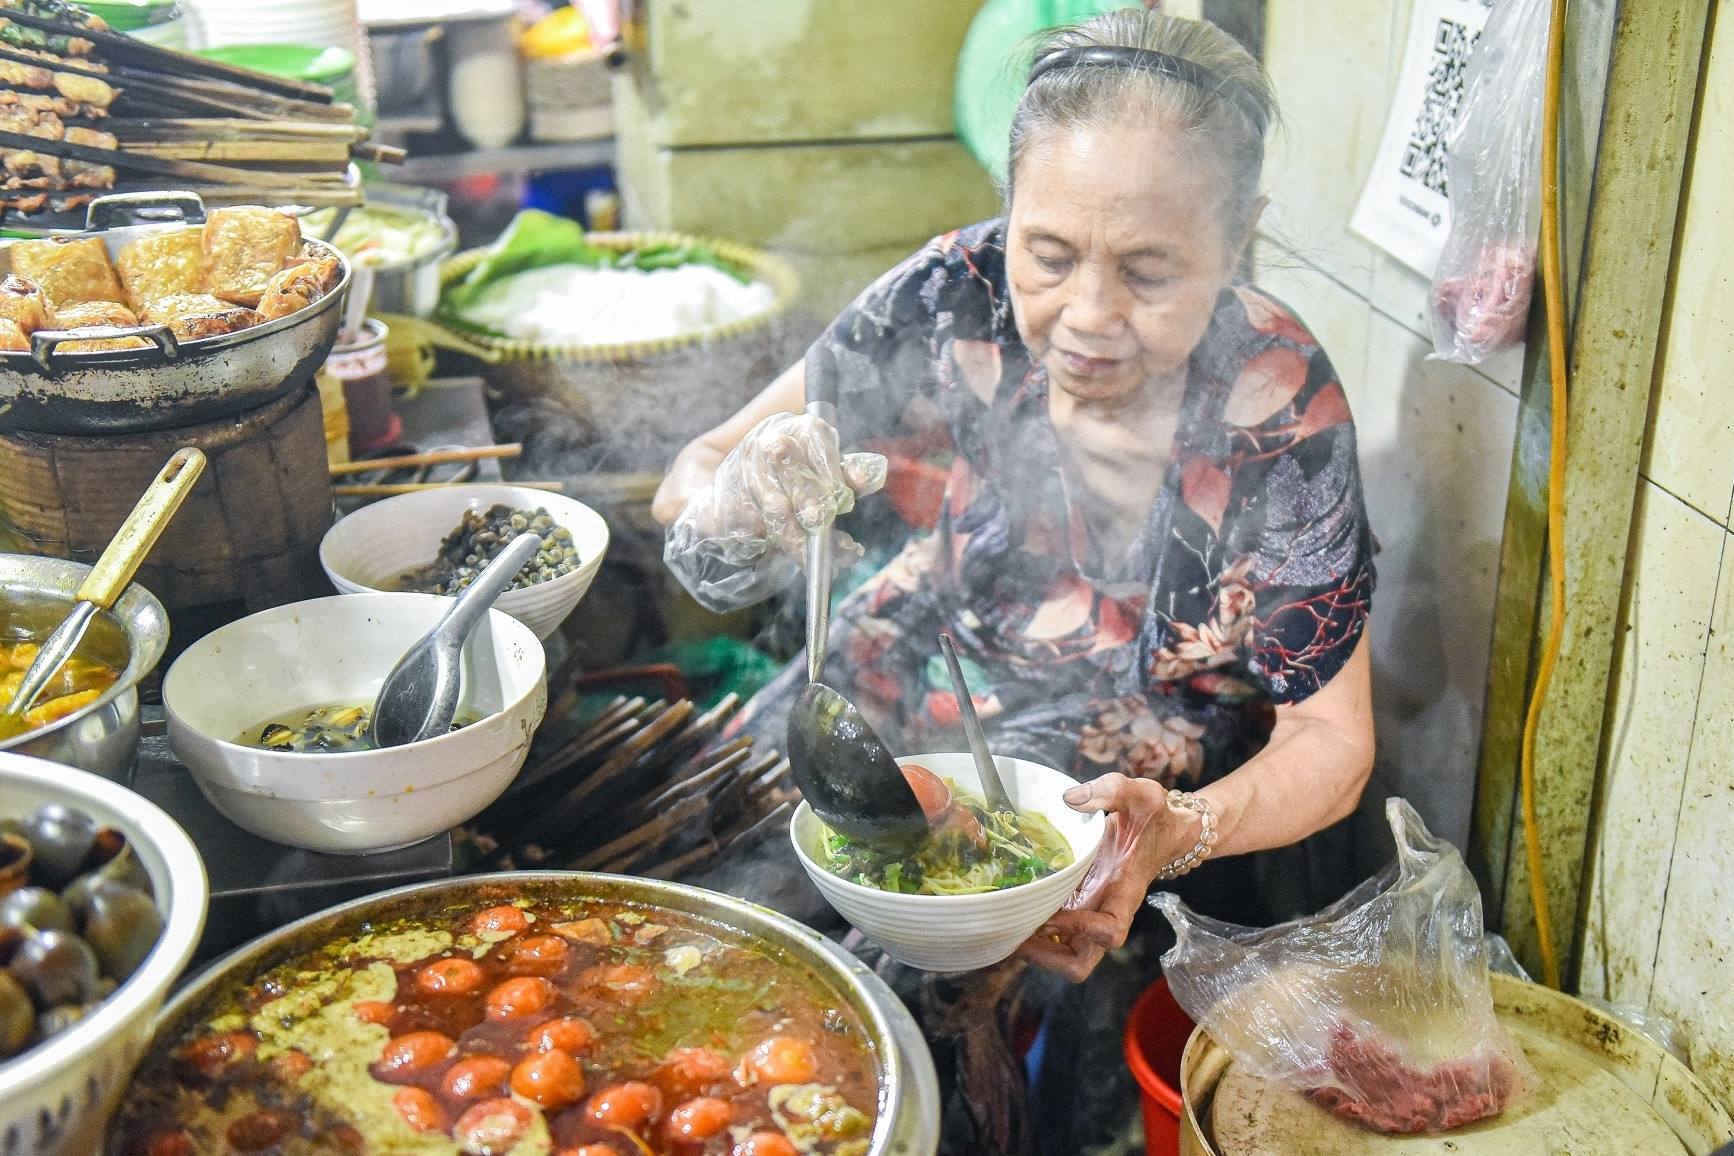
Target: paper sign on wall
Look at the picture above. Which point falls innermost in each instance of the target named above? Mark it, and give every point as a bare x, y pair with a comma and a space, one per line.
1403, 208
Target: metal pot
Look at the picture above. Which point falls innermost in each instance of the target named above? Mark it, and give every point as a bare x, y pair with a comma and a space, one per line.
35, 594
175, 383
404, 67
908, 1123
412, 287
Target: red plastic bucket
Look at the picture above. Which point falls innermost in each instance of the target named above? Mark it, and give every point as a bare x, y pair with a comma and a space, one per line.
1156, 1035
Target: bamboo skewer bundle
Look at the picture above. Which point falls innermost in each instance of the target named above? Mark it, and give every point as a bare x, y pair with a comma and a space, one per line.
81, 107
642, 790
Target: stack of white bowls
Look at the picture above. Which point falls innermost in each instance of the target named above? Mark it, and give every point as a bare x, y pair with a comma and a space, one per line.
320, 23
324, 23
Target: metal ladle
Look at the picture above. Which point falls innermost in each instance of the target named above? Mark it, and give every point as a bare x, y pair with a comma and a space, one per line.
845, 772
419, 698
113, 572
985, 768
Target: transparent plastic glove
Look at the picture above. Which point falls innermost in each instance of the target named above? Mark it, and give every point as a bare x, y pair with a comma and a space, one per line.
1099, 915
743, 538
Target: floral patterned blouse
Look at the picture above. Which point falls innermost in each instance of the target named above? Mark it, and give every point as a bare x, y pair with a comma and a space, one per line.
1247, 586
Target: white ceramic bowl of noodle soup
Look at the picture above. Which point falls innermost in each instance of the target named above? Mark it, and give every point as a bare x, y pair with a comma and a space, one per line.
961, 932
56, 1097
372, 548
336, 652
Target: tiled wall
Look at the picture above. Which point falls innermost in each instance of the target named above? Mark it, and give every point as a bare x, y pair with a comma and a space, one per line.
1660, 931
1435, 437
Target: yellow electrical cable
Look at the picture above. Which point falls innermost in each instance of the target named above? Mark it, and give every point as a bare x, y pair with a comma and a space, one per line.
1553, 289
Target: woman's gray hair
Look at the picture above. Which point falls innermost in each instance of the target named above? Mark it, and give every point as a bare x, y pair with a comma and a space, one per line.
1068, 97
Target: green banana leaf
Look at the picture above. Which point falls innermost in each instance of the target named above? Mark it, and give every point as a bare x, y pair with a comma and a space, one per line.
536, 240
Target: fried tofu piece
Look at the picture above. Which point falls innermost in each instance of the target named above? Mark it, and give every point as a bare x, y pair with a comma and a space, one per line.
161, 265
12, 338
298, 286
24, 304
98, 315
163, 310
244, 248
192, 316
70, 270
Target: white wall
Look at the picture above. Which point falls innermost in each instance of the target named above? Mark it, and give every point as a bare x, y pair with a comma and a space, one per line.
1661, 913
1435, 437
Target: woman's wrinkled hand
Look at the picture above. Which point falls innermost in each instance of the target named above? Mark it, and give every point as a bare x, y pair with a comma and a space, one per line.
1143, 835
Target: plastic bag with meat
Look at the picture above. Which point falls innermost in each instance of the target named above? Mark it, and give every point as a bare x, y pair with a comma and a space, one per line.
1484, 280
1378, 1007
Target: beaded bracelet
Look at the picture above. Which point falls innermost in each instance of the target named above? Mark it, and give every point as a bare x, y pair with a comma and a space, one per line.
1206, 838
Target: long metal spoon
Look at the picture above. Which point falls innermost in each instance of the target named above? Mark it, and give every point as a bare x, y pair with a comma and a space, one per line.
113, 571
819, 571
419, 698
991, 786
844, 770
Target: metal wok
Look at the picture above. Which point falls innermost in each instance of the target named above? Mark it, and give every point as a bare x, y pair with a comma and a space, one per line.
174, 383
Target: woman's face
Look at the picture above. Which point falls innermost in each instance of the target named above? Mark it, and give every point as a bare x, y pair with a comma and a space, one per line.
1116, 255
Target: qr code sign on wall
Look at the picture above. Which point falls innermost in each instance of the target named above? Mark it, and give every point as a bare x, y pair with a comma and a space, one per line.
1404, 208
1424, 156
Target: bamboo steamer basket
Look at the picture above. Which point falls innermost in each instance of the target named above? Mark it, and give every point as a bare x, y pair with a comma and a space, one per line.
647, 399
1606, 1089
249, 532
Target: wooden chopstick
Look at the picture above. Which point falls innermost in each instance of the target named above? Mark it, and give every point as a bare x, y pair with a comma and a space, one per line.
170, 128
133, 162
121, 46
387, 491
431, 458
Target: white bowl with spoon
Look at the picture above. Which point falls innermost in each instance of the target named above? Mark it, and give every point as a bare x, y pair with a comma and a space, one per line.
961, 932
337, 651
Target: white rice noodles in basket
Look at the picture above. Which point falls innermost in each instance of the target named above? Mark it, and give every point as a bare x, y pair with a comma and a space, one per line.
578, 305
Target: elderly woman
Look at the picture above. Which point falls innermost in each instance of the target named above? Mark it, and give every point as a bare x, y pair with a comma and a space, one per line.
1152, 546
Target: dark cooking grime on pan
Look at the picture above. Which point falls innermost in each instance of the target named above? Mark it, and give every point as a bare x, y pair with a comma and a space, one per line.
600, 1027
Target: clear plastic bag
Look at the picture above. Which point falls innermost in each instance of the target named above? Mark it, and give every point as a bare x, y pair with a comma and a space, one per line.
1378, 1007
1486, 271
738, 541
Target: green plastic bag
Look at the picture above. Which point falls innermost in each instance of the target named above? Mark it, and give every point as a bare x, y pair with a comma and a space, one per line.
993, 63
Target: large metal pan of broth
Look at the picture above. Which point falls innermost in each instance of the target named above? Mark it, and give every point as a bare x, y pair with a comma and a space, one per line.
102, 737
173, 383
907, 1122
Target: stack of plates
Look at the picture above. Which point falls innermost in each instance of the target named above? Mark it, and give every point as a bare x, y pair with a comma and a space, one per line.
317, 23
325, 23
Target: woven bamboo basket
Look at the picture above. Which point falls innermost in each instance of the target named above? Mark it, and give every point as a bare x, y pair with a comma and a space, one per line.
646, 399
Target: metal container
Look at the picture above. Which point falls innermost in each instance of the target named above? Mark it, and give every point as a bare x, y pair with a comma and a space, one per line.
174, 383
1606, 1089
35, 594
908, 1123
412, 287
404, 67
